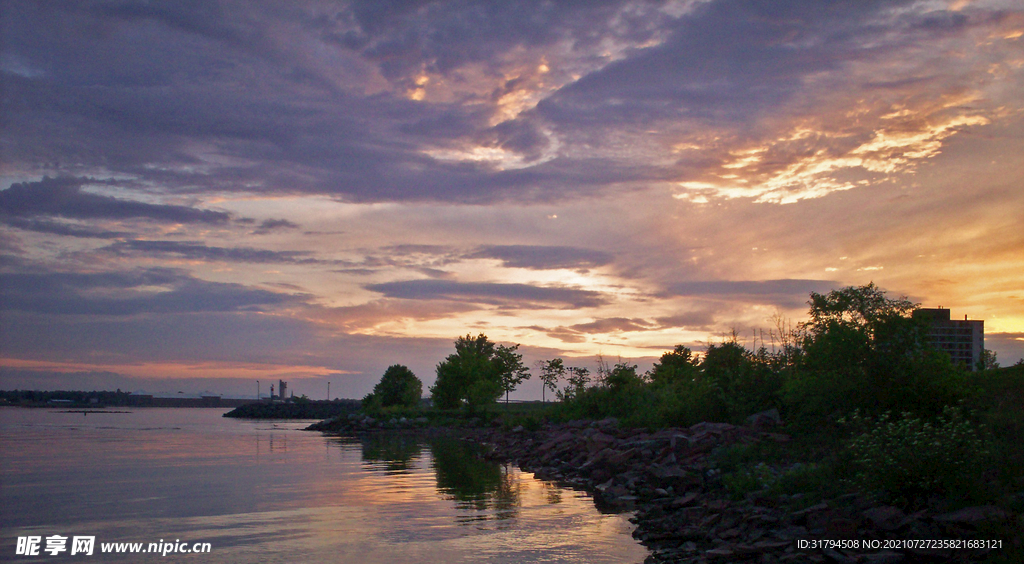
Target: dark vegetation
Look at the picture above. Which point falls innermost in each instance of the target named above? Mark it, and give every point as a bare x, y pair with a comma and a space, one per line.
870, 407
869, 403
398, 387
295, 410
77, 398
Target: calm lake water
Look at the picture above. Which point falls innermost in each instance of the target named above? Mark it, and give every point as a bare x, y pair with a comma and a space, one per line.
265, 491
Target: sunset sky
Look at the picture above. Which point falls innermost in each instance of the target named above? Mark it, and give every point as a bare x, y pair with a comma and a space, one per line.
199, 195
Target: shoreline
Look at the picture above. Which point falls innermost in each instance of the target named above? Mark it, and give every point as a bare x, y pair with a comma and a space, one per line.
682, 511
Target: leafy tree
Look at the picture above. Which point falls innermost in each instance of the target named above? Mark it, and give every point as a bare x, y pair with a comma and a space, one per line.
398, 386
510, 367
675, 366
477, 373
988, 360
578, 379
551, 371
863, 349
864, 308
619, 376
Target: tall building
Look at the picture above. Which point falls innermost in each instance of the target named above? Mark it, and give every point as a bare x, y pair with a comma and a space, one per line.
282, 389
964, 340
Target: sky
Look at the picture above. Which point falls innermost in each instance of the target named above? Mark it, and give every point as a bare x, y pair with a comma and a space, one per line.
203, 195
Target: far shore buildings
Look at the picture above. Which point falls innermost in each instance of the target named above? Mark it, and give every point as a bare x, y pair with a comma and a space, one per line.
964, 340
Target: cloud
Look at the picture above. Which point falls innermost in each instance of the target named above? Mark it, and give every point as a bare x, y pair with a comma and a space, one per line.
697, 320
539, 257
484, 102
577, 333
783, 293
150, 291
272, 225
750, 287
1009, 347
64, 197
491, 293
612, 325
193, 250
62, 228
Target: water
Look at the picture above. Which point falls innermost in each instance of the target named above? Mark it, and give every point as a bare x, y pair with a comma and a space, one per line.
265, 491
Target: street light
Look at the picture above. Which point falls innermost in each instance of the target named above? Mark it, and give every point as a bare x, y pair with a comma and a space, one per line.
328, 390
257, 390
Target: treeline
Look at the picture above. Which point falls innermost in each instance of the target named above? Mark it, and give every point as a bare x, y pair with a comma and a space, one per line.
870, 405
30, 397
859, 350
294, 410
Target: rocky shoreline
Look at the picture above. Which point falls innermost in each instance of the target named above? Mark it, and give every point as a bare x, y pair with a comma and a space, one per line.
682, 512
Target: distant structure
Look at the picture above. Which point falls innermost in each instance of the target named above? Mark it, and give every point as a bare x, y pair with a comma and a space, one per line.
282, 389
963, 340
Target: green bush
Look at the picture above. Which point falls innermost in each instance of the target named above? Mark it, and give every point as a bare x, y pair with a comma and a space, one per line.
910, 458
398, 387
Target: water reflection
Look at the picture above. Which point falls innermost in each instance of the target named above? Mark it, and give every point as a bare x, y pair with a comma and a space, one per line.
489, 488
268, 492
391, 453
481, 489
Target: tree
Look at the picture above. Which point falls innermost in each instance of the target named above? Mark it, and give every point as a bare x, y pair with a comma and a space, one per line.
398, 386
551, 371
864, 350
578, 379
863, 308
619, 376
477, 373
988, 360
510, 367
675, 366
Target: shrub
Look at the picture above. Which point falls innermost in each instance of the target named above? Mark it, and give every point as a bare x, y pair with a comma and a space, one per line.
398, 387
910, 458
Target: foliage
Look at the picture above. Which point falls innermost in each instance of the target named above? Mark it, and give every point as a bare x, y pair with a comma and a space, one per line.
862, 350
676, 366
619, 376
578, 379
477, 373
510, 368
864, 308
988, 360
551, 371
747, 381
398, 387
910, 457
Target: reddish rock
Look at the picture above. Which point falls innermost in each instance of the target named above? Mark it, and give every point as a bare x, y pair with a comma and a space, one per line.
886, 517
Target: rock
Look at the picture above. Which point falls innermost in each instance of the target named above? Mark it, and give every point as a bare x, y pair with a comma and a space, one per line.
883, 557
886, 517
971, 515
599, 441
777, 437
719, 554
839, 528
836, 556
765, 419
685, 500
802, 515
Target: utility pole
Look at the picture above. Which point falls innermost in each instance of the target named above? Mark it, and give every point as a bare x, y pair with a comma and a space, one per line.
257, 390
328, 390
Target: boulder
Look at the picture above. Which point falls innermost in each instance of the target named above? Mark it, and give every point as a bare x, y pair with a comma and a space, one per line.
972, 515
886, 517
765, 419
